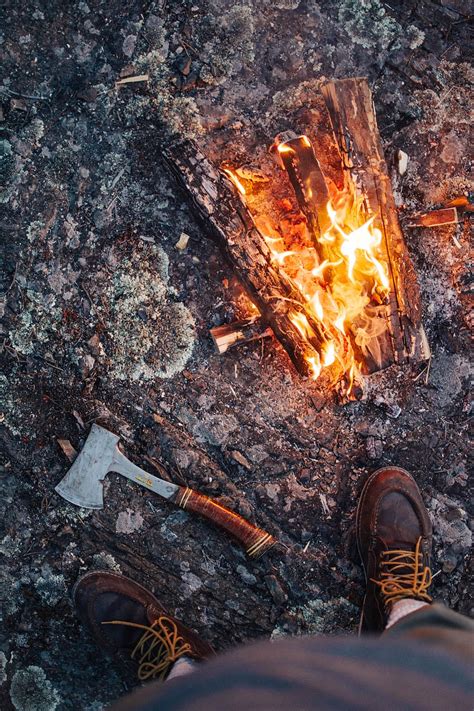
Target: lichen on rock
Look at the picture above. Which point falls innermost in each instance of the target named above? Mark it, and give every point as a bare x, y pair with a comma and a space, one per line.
354, 14
151, 334
37, 323
50, 587
31, 690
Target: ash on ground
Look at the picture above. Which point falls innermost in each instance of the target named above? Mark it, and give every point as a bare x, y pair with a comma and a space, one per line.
106, 319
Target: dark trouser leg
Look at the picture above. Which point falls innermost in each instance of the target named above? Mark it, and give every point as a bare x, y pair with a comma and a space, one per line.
438, 626
422, 663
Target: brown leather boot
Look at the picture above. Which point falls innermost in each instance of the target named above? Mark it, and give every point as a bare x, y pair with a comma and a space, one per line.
126, 619
394, 539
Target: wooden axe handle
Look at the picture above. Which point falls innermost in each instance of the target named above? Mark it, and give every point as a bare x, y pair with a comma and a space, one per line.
254, 539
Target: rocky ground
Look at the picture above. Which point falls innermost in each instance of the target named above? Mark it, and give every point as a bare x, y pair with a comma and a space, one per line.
107, 321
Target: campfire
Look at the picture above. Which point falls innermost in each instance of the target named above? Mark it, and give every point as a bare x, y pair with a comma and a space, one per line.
319, 250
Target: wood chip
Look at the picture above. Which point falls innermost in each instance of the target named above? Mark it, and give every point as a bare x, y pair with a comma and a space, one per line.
68, 449
182, 243
78, 419
159, 419
18, 104
132, 80
435, 218
241, 459
324, 504
402, 162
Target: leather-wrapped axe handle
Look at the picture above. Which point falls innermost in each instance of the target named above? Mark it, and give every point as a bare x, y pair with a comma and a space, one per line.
255, 541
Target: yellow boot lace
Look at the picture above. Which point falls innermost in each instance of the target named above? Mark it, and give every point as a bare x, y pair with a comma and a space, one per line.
396, 585
158, 648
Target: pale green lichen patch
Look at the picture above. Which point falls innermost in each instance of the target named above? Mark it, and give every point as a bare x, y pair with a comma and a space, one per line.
317, 616
150, 334
50, 587
368, 23
37, 324
31, 690
3, 667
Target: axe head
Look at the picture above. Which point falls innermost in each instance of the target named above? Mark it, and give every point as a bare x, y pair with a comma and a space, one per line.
83, 484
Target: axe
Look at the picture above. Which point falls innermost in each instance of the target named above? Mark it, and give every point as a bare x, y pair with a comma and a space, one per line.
83, 486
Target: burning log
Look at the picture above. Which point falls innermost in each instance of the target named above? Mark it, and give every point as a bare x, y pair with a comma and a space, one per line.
299, 160
226, 218
351, 110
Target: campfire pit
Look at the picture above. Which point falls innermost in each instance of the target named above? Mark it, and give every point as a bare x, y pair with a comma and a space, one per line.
327, 266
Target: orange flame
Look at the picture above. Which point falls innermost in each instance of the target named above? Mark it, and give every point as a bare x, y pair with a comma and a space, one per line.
336, 291
233, 177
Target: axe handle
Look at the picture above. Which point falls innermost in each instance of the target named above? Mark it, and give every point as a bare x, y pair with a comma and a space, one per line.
254, 539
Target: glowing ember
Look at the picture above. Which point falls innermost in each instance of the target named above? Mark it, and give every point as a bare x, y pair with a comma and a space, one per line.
340, 276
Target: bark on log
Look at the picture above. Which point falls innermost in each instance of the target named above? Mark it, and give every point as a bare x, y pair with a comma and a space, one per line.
351, 110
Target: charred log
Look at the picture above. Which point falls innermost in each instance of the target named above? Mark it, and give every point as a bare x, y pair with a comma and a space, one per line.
225, 217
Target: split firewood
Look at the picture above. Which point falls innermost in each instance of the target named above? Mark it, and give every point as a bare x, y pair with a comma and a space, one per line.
351, 110
299, 160
435, 218
239, 332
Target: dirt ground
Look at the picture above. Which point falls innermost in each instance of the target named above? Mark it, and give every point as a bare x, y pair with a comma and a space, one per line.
106, 321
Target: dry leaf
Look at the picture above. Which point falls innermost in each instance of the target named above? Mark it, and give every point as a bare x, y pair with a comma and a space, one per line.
240, 459
68, 449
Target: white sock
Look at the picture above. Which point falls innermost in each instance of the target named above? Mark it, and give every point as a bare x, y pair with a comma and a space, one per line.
401, 608
183, 665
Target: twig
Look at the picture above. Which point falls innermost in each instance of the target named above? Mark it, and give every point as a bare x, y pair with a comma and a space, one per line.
25, 96
132, 80
444, 96
186, 45
421, 373
428, 371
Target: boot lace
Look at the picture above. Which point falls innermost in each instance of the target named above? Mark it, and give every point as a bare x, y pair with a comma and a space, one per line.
158, 648
402, 575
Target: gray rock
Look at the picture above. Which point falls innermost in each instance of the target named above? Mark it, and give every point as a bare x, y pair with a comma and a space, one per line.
276, 590
449, 561
374, 448
87, 363
129, 521
246, 576
128, 46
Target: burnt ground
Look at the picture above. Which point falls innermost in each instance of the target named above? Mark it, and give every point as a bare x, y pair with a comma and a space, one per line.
107, 321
